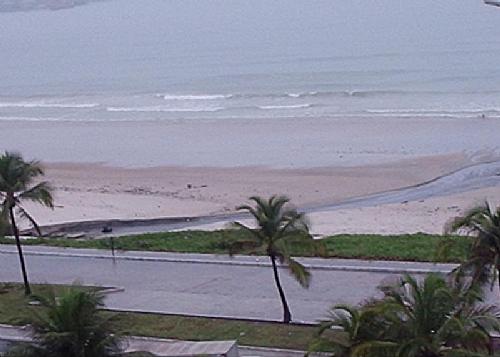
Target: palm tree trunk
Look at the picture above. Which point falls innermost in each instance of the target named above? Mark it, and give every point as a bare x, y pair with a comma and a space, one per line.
498, 276
287, 316
27, 288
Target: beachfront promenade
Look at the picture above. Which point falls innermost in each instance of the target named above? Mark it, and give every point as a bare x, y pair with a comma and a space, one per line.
207, 285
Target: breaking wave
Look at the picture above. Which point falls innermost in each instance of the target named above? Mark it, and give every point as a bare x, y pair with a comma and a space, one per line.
47, 105
435, 111
295, 106
195, 96
163, 109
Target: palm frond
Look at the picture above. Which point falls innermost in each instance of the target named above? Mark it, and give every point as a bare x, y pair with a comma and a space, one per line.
252, 232
254, 242
244, 247
416, 318
24, 214
4, 219
483, 260
374, 349
250, 210
343, 316
468, 220
294, 223
443, 251
299, 272
70, 324
26, 350
40, 193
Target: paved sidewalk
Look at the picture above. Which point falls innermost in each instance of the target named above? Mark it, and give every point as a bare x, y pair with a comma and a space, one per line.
16, 334
207, 285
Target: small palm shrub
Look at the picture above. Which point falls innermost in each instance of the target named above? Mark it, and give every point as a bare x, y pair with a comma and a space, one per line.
429, 318
70, 325
482, 225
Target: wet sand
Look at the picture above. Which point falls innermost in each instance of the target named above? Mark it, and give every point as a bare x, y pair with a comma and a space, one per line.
274, 142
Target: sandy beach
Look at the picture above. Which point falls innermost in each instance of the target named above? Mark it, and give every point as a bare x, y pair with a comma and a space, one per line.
94, 191
135, 170
188, 116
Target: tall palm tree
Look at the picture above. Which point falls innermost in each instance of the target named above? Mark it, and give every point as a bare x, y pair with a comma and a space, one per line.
4, 225
17, 184
482, 223
70, 325
278, 229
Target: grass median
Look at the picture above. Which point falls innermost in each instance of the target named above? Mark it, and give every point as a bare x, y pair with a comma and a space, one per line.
15, 310
407, 247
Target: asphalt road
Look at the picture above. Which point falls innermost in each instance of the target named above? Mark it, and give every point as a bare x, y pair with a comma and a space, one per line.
204, 284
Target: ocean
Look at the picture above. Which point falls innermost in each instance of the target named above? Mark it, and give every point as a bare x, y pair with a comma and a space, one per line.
171, 60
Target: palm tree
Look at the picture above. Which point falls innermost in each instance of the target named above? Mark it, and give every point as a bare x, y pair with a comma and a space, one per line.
482, 223
350, 329
4, 225
278, 229
431, 318
17, 184
70, 325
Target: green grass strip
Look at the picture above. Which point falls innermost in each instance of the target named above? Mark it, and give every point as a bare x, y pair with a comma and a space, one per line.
15, 310
408, 247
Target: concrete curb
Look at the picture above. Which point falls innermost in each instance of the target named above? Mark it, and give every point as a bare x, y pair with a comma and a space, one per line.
350, 268
113, 290
205, 316
276, 352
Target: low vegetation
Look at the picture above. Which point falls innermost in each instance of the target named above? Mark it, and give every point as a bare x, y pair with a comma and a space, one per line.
67, 323
429, 318
407, 247
15, 310
482, 223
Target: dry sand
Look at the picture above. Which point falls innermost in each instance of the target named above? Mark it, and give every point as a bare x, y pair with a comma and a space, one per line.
92, 191
428, 216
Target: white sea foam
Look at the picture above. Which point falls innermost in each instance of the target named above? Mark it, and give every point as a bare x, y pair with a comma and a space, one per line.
17, 118
434, 111
300, 95
417, 115
293, 106
47, 105
163, 109
345, 93
195, 96
64, 120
